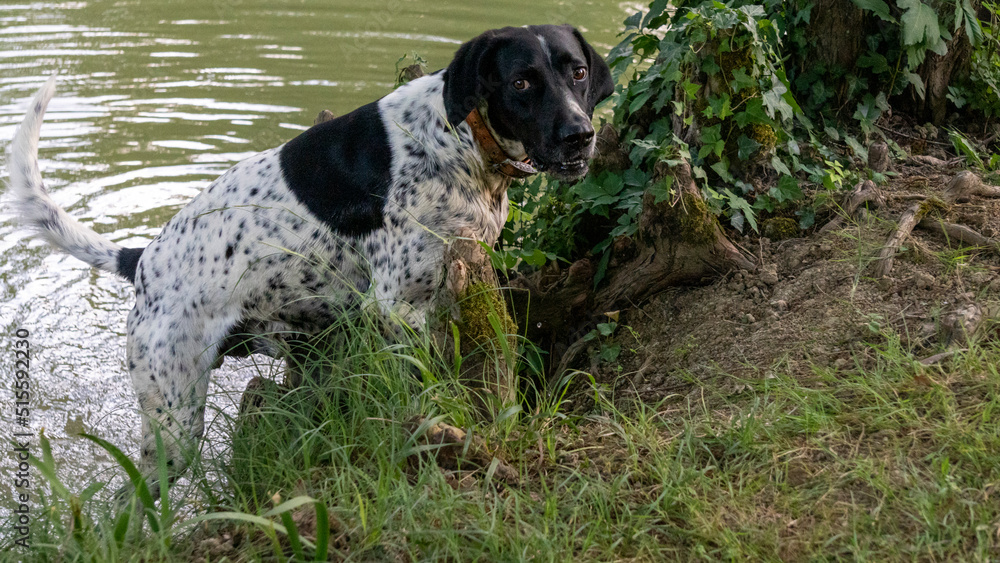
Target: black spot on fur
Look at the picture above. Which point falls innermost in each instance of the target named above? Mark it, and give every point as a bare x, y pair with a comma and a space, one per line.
341, 170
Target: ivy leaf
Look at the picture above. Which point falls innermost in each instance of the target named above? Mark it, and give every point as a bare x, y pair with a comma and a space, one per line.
719, 106
779, 166
633, 21
746, 147
857, 147
875, 61
878, 7
754, 113
786, 190
920, 24
634, 177
691, 89
739, 204
661, 190
722, 169
639, 100
787, 96
610, 352
620, 56
774, 101
656, 9
736, 220
867, 113
741, 80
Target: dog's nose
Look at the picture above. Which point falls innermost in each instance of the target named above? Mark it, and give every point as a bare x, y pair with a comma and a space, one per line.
578, 136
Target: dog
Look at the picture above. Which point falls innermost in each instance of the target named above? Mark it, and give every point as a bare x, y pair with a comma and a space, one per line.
352, 213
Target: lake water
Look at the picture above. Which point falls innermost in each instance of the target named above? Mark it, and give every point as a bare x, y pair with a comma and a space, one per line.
154, 100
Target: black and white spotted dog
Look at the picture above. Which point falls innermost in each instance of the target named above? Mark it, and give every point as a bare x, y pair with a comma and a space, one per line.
352, 212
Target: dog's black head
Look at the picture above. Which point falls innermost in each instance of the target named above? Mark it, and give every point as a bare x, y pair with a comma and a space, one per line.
540, 85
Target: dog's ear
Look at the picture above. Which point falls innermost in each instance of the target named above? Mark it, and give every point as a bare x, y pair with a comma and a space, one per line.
467, 77
601, 85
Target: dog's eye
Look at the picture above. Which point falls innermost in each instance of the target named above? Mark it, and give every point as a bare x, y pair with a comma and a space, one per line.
579, 73
520, 84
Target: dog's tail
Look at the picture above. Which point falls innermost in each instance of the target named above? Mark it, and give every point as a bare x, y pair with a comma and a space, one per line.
35, 208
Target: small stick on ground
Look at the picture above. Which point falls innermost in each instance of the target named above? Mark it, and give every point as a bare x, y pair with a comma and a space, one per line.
940, 357
907, 197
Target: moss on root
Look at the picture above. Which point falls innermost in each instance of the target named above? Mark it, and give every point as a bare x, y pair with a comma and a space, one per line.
690, 221
932, 205
479, 300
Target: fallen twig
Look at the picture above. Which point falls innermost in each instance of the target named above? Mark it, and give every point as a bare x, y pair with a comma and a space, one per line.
940, 357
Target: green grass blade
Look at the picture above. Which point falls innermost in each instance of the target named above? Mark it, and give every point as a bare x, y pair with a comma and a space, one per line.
322, 532
264, 523
138, 481
289, 504
47, 467
293, 536
121, 527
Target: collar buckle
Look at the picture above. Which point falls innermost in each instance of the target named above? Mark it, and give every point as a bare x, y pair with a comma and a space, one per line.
497, 159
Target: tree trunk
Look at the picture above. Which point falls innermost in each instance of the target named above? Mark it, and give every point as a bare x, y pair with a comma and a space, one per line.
938, 72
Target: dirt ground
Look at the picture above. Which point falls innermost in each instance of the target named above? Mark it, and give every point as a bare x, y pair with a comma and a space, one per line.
814, 302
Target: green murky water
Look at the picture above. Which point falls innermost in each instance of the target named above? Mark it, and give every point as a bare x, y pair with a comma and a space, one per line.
154, 100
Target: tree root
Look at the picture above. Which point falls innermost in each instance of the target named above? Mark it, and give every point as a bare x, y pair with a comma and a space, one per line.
677, 242
864, 192
909, 219
966, 184
929, 161
453, 449
960, 233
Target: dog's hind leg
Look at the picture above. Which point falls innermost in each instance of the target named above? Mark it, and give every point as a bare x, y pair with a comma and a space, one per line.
169, 362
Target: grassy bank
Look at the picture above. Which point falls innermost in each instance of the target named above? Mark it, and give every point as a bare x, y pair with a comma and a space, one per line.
895, 462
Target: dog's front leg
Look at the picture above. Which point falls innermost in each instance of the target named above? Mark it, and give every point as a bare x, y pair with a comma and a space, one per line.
169, 361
